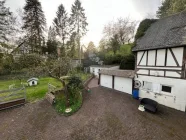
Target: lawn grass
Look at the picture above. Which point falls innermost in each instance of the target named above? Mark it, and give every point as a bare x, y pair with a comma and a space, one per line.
35, 92
38, 92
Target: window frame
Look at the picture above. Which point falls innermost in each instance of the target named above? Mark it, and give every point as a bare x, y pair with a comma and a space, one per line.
164, 92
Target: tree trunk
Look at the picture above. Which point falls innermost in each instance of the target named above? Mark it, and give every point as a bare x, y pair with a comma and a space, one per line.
66, 93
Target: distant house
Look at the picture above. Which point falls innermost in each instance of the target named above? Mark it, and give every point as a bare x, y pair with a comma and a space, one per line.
23, 48
161, 62
95, 69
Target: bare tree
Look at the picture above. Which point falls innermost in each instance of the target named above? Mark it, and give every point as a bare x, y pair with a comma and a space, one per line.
58, 70
124, 28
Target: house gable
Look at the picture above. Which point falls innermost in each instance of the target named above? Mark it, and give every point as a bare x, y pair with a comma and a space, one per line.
161, 62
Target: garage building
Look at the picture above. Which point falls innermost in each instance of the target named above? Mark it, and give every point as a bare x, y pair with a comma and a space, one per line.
121, 80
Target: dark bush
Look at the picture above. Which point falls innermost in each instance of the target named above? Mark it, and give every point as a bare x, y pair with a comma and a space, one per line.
128, 63
74, 87
6, 64
74, 81
144, 25
88, 62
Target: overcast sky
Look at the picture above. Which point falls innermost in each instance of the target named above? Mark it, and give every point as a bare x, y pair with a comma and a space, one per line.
98, 12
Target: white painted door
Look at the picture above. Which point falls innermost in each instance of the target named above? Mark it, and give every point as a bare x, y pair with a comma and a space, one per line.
123, 84
106, 81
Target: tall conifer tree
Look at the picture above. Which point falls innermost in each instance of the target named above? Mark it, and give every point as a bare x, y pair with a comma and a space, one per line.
78, 22
61, 24
34, 24
6, 22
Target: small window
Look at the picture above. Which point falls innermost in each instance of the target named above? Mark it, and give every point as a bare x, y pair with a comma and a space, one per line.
166, 89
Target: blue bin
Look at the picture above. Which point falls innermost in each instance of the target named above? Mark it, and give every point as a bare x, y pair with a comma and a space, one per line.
135, 94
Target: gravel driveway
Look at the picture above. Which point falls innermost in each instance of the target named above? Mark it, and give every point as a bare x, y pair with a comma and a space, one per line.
105, 115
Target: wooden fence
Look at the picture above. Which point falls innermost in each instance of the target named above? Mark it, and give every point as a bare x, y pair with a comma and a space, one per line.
51, 88
12, 97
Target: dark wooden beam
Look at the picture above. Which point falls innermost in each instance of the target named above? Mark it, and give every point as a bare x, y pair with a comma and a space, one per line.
160, 66
113, 78
172, 53
147, 58
99, 80
159, 69
141, 57
183, 75
135, 55
178, 72
156, 57
165, 57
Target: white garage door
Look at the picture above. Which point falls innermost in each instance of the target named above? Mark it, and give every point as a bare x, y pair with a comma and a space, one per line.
106, 81
123, 84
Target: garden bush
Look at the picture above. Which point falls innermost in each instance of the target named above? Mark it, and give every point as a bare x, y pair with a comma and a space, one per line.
6, 62
128, 63
74, 89
30, 60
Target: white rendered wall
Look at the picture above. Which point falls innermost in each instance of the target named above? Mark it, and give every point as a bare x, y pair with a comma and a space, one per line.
142, 71
178, 52
106, 81
176, 99
172, 74
170, 59
144, 60
156, 72
95, 70
123, 84
160, 57
139, 55
151, 57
